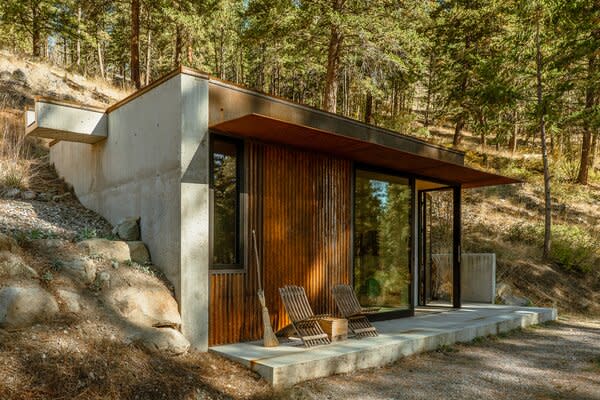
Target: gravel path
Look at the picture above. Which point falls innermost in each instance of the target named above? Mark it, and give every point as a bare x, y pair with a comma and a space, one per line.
38, 219
559, 360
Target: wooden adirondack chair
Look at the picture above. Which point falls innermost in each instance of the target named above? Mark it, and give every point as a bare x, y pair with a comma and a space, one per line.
304, 321
350, 308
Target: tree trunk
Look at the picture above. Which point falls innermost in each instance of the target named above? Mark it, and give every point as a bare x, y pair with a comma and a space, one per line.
594, 149
333, 63
460, 124
35, 30
512, 143
369, 108
78, 37
100, 58
178, 41
135, 43
148, 55
542, 122
586, 145
429, 89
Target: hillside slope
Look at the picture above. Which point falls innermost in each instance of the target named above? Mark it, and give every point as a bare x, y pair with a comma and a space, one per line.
76, 355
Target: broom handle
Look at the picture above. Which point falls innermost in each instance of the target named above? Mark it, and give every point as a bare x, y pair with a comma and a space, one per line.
257, 261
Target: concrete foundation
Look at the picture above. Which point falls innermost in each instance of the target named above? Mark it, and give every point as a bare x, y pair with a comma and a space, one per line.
287, 365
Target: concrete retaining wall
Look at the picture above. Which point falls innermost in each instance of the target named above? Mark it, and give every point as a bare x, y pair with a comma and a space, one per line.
154, 164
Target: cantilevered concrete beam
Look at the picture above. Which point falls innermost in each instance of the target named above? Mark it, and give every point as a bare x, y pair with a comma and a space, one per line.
68, 122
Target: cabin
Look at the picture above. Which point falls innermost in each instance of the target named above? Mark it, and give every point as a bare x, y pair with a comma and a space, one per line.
332, 200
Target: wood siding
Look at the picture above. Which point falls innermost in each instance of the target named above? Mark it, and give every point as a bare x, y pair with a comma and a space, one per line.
300, 204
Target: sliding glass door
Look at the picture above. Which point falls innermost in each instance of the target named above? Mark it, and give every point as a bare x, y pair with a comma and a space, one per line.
382, 226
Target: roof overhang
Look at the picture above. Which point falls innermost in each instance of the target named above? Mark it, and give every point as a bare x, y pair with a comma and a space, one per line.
260, 127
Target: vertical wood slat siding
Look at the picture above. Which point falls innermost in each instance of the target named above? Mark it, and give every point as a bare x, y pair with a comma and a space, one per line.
300, 205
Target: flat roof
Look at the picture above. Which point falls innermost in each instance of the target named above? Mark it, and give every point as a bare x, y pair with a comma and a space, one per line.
263, 128
240, 111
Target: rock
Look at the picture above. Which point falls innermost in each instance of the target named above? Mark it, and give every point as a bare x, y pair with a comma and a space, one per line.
60, 197
7, 243
71, 300
505, 294
503, 289
164, 340
82, 269
12, 193
19, 76
49, 244
12, 265
22, 307
128, 229
138, 252
145, 306
513, 300
44, 196
109, 249
28, 195
102, 280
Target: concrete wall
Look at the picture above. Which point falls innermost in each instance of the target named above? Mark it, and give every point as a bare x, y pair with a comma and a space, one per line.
154, 164
135, 171
478, 275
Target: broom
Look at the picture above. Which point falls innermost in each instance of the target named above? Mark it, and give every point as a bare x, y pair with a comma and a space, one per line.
269, 338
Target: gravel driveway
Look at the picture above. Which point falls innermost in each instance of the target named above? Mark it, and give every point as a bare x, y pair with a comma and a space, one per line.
560, 360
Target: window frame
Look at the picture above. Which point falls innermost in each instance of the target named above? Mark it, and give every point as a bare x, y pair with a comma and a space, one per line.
240, 265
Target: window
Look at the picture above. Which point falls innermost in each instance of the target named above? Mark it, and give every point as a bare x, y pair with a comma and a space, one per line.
381, 240
225, 184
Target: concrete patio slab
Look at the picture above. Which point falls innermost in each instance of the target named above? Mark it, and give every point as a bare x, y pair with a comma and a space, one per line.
289, 364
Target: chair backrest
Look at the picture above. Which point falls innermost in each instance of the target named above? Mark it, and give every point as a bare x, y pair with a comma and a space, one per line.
296, 303
346, 300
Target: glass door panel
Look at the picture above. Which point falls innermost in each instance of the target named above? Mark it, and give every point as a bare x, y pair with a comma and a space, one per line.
381, 241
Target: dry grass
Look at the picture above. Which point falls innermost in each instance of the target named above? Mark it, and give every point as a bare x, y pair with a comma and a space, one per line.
18, 161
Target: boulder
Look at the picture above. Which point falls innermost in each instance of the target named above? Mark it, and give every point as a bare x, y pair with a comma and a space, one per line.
503, 289
28, 195
108, 249
102, 280
7, 243
164, 340
44, 196
49, 244
145, 306
82, 269
71, 300
505, 294
513, 300
128, 229
12, 265
138, 252
12, 193
60, 197
22, 307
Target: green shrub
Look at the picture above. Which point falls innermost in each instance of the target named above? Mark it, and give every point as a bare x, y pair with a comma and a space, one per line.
531, 234
572, 247
86, 233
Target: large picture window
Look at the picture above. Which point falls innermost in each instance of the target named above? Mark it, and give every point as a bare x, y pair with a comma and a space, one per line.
225, 183
381, 240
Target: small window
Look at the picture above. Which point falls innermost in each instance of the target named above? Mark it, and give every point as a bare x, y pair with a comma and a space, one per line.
225, 182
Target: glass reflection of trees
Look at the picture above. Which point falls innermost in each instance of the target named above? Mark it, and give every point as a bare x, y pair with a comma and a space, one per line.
225, 186
381, 240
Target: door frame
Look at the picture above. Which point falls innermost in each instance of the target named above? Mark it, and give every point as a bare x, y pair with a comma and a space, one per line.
456, 244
